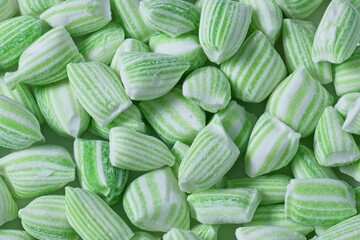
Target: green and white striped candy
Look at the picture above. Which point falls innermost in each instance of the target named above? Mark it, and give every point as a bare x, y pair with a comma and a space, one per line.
98, 90
224, 206
208, 87
16, 34
338, 33
255, 70
96, 172
154, 202
9, 209
352, 170
36, 7
179, 150
319, 201
356, 4
135, 151
272, 145
319, 229
79, 17
298, 9
181, 234
147, 76
352, 121
101, 45
357, 197
144, 236
173, 117
305, 165
61, 109
299, 102
7, 234
206, 232
18, 127
345, 101
268, 233
171, 17
45, 60
38, 170
223, 28
92, 218
209, 158
45, 219
332, 145
8, 9
271, 187
298, 38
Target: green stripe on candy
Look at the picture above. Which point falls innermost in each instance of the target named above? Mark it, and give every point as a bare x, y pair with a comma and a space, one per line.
7, 234
206, 232
352, 170
8, 9
299, 9
345, 230
356, 4
179, 150
36, 7
319, 229
144, 236
9, 209
345, 101
357, 197
352, 121
181, 234
268, 233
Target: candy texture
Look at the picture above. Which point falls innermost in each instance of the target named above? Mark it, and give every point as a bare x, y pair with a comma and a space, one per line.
344, 103
268, 233
206, 232
8, 8
9, 209
299, 9
36, 7
179, 150
345, 230
180, 234
6, 234
352, 121
352, 170
143, 236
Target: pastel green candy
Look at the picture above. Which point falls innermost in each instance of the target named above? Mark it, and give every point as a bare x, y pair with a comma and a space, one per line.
100, 46
338, 33
8, 9
36, 7
98, 90
272, 145
7, 234
209, 158
199, 3
352, 121
206, 232
44, 218
357, 197
9, 208
268, 233
147, 76
255, 70
179, 150
45, 60
320, 229
299, 102
154, 202
298, 37
298, 9
92, 218
181, 234
144, 236
79, 17
345, 101
332, 145
319, 201
223, 28
18, 127
61, 109
352, 170
356, 4
271, 187
174, 117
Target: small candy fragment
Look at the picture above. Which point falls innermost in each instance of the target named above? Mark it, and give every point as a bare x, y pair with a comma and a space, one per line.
352, 121
9, 209
36, 7
268, 233
206, 232
173, 117
147, 76
332, 145
345, 101
255, 70
298, 9
338, 33
79, 17
8, 9
181, 234
92, 218
7, 234
179, 150
208, 87
143, 236
98, 90
38, 170
18, 127
319, 201
61, 109
223, 28
271, 187
45, 219
224, 206
154, 202
45, 60
272, 145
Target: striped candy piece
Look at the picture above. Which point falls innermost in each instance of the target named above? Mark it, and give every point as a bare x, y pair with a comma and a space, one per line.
38, 170
7, 234
147, 76
18, 127
272, 145
36, 7
332, 145
179, 151
96, 172
345, 230
181, 234
174, 117
16, 34
101, 45
136, 151
206, 232
45, 60
208, 87
352, 170
61, 109
209, 158
154, 202
271, 187
98, 90
223, 28
172, 17
299, 102
357, 197
268, 233
9, 209
345, 101
319, 201
255, 70
305, 165
352, 121
298, 38
320, 229
92, 218
224, 206
298, 9
356, 4
144, 236
8, 9
338, 33
45, 219
79, 17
